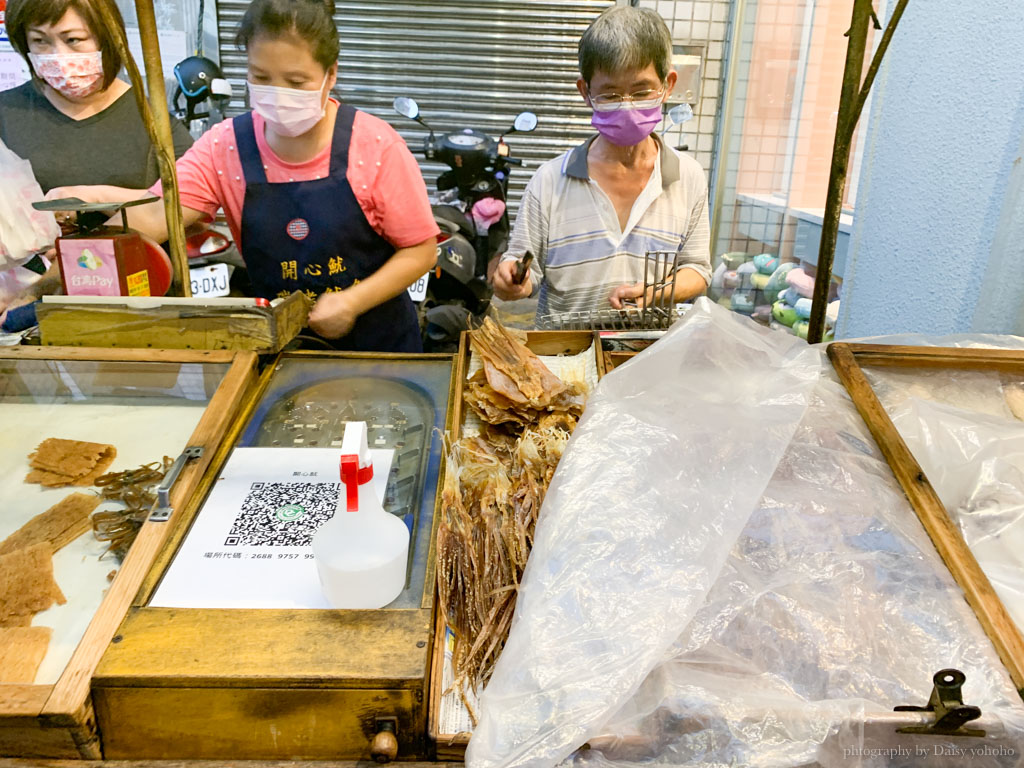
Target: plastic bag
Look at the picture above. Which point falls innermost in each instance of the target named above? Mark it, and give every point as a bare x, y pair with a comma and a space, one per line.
971, 447
832, 609
14, 282
23, 230
787, 638
658, 481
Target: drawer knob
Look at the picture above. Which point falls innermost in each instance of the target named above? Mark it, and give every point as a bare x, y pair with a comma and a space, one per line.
384, 748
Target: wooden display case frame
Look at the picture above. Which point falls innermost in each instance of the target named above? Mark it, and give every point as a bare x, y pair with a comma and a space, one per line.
452, 746
57, 721
257, 329
847, 359
312, 684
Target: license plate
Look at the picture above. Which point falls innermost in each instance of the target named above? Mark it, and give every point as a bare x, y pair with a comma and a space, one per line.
212, 280
418, 290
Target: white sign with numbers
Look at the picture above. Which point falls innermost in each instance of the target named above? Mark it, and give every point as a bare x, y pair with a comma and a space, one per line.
418, 290
212, 280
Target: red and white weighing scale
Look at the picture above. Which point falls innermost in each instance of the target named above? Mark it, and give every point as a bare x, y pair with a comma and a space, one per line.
99, 260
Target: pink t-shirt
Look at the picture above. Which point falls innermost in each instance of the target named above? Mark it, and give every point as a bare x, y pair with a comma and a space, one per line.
381, 170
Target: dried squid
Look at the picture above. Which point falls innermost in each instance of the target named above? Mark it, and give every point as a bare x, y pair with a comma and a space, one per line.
133, 488
493, 490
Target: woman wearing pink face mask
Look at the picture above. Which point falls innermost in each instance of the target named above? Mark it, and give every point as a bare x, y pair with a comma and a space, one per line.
75, 121
320, 197
590, 215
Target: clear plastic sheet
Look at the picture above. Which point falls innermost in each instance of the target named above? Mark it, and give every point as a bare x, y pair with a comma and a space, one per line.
660, 477
784, 639
832, 609
962, 431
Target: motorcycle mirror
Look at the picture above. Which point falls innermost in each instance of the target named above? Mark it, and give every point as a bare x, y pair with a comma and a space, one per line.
525, 122
678, 115
407, 107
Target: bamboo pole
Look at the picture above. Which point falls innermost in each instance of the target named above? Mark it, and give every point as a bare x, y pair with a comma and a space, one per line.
158, 124
858, 38
876, 61
851, 103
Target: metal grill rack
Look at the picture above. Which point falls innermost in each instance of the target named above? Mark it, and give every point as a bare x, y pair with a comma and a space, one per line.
659, 313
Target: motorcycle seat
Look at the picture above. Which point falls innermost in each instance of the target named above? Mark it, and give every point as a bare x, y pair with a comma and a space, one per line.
449, 214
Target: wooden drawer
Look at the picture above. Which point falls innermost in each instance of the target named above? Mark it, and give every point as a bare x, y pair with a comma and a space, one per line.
172, 325
249, 724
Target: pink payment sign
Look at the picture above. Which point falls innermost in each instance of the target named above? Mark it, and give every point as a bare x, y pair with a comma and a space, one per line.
89, 267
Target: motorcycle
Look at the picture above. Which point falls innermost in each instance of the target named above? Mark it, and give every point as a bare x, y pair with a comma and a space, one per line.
470, 209
201, 95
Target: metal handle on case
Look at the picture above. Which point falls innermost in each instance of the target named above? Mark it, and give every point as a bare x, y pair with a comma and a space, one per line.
162, 510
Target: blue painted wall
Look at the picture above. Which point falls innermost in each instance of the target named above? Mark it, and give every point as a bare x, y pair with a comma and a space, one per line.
938, 236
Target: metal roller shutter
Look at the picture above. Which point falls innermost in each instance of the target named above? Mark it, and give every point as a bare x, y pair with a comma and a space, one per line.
466, 62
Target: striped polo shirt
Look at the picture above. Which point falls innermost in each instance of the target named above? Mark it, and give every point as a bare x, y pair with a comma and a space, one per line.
570, 225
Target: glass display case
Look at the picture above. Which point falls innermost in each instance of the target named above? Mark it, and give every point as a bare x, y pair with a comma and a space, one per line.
250, 545
139, 407
232, 643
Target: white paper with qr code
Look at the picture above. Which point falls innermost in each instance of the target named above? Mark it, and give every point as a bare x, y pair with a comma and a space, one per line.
251, 543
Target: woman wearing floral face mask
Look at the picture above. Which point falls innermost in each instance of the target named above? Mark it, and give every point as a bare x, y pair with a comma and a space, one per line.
320, 197
75, 121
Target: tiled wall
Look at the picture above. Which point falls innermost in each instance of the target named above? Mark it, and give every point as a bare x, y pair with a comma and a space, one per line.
699, 22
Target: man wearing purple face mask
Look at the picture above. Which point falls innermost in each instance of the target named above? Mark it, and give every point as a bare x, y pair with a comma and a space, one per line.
590, 215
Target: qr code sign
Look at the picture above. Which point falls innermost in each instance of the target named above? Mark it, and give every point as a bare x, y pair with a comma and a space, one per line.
283, 514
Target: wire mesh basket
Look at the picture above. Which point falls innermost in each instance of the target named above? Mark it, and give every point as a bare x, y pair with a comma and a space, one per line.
656, 308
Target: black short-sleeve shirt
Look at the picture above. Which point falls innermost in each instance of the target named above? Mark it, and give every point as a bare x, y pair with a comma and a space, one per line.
111, 147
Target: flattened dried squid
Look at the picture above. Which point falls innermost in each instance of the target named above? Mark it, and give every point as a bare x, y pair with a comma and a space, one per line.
494, 486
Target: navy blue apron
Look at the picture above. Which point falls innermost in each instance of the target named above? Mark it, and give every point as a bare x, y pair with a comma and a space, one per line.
312, 236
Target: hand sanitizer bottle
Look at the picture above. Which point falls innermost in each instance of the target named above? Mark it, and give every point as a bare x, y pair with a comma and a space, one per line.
361, 553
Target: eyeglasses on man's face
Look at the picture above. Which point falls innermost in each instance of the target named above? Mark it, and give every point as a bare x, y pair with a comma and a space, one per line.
645, 99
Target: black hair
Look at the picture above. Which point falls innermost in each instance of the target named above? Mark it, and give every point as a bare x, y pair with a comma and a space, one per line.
311, 20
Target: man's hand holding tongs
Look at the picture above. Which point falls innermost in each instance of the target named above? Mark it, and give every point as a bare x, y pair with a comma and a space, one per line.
512, 278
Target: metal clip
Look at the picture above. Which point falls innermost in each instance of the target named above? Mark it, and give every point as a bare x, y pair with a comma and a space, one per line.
162, 509
947, 702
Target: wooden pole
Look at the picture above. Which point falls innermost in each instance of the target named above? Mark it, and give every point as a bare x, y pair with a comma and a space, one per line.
158, 124
858, 38
851, 103
876, 61
164, 145
896, 356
